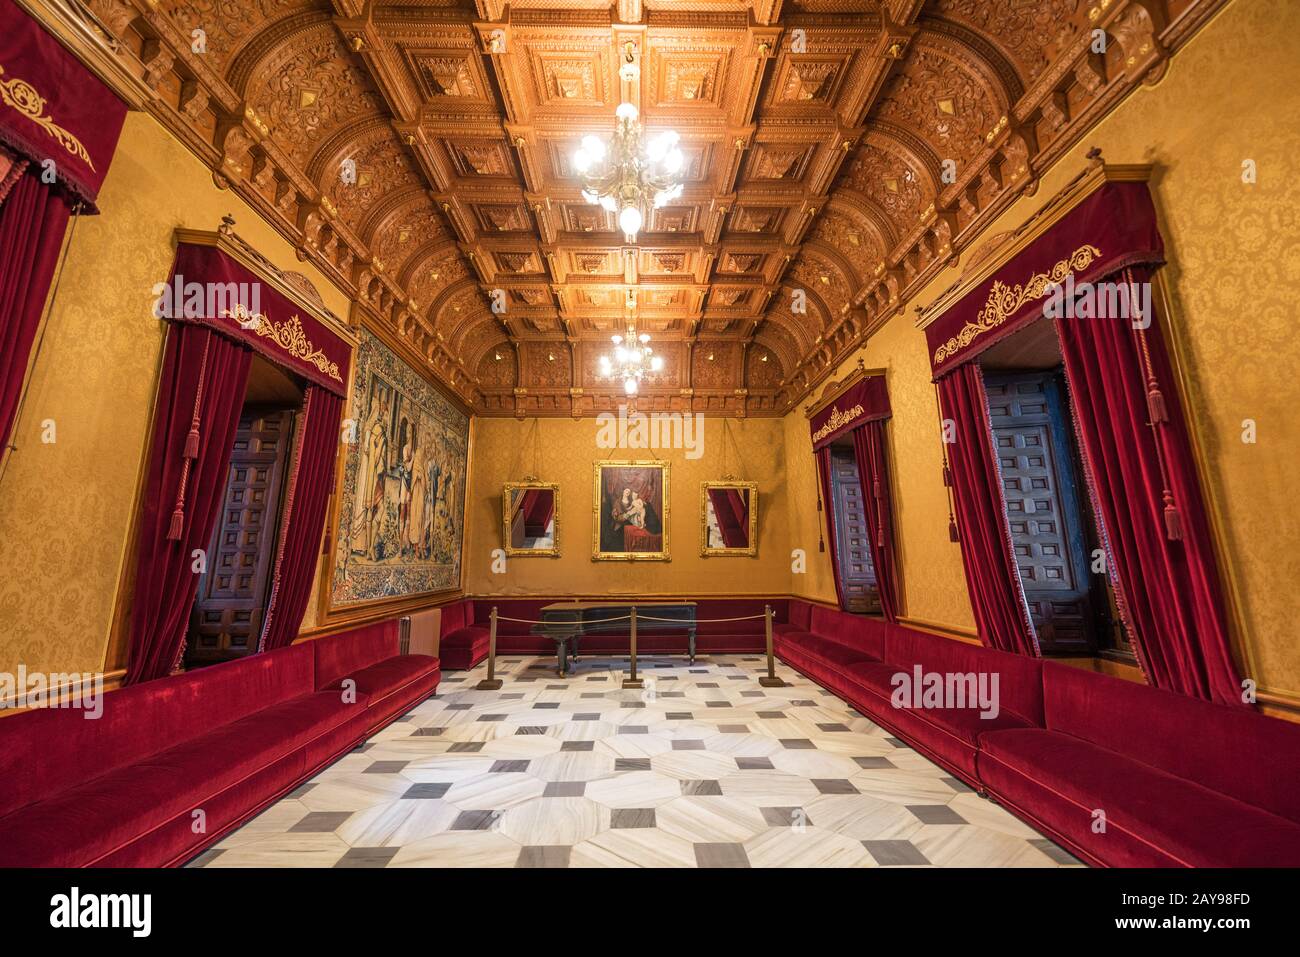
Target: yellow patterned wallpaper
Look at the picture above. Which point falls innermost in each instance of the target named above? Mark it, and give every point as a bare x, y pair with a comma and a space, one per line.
1231, 95
502, 450
65, 507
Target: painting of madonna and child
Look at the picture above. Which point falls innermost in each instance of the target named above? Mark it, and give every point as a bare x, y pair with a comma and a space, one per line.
402, 500
632, 511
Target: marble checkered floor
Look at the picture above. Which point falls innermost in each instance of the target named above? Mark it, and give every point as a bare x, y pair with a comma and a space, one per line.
703, 768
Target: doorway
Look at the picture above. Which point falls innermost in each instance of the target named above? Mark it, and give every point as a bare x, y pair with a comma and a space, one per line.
850, 528
230, 605
1050, 519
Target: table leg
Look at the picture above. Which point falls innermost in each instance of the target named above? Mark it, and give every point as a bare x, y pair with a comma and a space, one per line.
561, 656
691, 633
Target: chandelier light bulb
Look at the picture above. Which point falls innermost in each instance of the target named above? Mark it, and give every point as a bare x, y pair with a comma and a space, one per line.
629, 386
657, 364
608, 203
594, 147
629, 220
616, 339
582, 161
627, 112
673, 161
645, 337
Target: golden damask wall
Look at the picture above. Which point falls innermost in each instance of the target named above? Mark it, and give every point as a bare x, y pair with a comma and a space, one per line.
66, 507
1231, 95
503, 450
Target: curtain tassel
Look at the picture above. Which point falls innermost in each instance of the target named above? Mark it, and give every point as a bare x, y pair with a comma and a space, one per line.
1173, 520
947, 477
1156, 404
191, 444
177, 524
952, 531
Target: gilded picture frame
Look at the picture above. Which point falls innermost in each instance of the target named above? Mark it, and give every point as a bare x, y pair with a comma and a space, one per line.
507, 517
752, 549
630, 506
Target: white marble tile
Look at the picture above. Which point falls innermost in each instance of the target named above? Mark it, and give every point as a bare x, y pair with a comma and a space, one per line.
806, 847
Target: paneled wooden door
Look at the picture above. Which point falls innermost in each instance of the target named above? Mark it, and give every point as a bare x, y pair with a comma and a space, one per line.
1049, 535
857, 574
228, 611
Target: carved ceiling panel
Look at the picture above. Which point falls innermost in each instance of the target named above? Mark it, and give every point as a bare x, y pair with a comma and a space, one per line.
836, 153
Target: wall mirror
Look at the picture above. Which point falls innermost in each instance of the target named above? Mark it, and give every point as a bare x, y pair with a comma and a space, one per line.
729, 518
532, 519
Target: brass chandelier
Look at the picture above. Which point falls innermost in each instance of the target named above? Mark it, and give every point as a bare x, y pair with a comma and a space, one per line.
633, 358
630, 175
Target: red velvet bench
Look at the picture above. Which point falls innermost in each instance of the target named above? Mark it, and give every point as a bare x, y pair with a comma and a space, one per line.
1181, 782
228, 740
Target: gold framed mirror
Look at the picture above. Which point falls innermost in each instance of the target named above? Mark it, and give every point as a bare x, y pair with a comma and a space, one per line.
531, 519
729, 518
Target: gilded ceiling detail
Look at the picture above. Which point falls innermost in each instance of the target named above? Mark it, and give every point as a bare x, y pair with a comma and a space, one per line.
837, 154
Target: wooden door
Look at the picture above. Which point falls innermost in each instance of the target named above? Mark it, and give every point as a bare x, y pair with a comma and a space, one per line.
853, 549
228, 611
1040, 484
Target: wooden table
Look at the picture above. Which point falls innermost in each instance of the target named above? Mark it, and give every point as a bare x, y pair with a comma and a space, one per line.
566, 622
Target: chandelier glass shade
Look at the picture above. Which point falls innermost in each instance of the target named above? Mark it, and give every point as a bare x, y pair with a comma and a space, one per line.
632, 359
630, 175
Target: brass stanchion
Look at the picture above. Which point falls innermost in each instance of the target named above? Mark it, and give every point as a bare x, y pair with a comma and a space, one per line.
770, 680
634, 681
492, 682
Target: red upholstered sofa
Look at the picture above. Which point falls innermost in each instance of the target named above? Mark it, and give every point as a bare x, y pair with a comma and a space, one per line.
461, 643
1179, 781
124, 790
465, 630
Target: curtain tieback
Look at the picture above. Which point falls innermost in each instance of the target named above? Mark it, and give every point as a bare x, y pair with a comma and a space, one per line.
189, 453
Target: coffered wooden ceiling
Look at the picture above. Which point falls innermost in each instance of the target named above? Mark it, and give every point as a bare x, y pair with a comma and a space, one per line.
844, 150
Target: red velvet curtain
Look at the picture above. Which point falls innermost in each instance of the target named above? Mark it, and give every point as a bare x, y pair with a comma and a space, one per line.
873, 472
33, 220
308, 493
732, 515
992, 579
828, 509
200, 396
1142, 477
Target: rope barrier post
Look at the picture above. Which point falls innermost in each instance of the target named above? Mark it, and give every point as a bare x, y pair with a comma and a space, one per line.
769, 680
633, 681
492, 682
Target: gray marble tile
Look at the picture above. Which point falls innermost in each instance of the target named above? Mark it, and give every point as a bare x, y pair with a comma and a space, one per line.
894, 853
721, 855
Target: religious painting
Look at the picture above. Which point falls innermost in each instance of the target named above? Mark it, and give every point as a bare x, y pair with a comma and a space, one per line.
401, 503
630, 519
